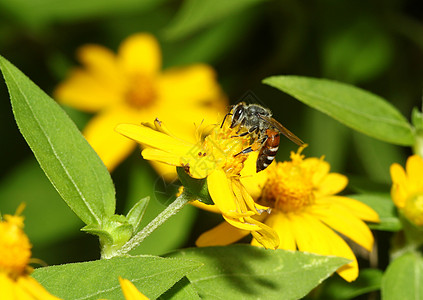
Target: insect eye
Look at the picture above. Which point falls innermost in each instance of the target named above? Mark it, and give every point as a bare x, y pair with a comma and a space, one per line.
238, 112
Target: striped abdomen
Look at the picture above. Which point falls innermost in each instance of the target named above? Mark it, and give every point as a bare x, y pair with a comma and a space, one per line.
268, 150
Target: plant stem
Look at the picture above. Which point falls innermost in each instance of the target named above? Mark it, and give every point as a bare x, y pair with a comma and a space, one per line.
169, 211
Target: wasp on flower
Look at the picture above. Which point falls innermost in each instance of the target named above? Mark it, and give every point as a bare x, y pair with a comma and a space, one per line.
218, 157
257, 122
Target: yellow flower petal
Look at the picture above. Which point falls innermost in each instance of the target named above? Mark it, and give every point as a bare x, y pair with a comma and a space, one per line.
414, 167
331, 184
152, 138
101, 63
281, 224
87, 92
161, 156
253, 181
399, 190
341, 220
244, 225
221, 192
140, 53
266, 236
33, 288
326, 242
130, 291
6, 287
194, 84
357, 208
318, 167
221, 235
110, 145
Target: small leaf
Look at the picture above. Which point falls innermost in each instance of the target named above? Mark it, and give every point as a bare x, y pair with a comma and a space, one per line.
195, 15
136, 213
69, 162
247, 272
99, 279
403, 278
353, 107
385, 208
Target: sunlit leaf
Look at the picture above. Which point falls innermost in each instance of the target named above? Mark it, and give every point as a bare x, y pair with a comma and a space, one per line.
354, 107
68, 160
247, 272
99, 279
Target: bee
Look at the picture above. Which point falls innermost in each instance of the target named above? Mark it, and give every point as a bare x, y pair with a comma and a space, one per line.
256, 120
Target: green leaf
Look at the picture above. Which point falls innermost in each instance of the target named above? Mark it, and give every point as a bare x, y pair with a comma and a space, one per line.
386, 209
69, 162
99, 279
403, 278
195, 15
353, 107
182, 290
247, 272
368, 280
136, 213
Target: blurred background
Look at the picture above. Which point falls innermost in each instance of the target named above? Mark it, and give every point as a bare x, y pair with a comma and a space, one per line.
376, 45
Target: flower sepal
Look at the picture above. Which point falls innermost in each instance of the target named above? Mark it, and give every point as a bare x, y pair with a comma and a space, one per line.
113, 234
197, 188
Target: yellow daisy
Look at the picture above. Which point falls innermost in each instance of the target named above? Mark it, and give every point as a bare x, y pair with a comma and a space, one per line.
212, 157
15, 254
305, 210
129, 87
130, 291
407, 188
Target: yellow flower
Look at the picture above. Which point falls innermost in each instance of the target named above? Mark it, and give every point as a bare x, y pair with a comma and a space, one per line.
129, 87
407, 188
130, 291
305, 210
15, 254
212, 157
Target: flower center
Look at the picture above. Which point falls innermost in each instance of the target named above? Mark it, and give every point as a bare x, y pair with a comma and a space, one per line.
141, 92
413, 209
289, 187
220, 148
15, 248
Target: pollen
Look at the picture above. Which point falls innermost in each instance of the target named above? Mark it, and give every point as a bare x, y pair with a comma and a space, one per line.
225, 147
289, 187
141, 91
15, 248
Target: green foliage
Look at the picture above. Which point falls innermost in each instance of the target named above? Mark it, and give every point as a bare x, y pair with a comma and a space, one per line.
369, 280
69, 162
402, 279
354, 107
99, 279
247, 272
195, 15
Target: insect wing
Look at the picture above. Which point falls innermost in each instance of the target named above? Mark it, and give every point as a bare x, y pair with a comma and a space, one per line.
282, 129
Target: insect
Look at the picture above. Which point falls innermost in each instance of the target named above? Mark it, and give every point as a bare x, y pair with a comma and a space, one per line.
258, 121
